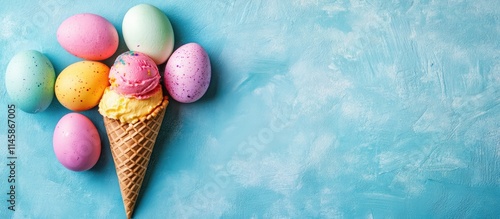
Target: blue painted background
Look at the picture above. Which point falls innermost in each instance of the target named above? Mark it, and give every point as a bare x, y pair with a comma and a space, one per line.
317, 109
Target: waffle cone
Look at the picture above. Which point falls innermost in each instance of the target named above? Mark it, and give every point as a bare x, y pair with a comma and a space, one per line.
131, 147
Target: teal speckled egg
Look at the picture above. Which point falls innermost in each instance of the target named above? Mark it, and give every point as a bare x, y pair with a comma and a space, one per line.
29, 81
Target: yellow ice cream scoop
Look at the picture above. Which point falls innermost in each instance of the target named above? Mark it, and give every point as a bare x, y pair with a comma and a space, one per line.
128, 110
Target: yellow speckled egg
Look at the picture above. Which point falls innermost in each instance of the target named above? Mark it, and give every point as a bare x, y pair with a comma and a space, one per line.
80, 85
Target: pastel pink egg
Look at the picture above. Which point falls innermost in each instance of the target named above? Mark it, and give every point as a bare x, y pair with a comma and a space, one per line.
76, 142
187, 73
88, 36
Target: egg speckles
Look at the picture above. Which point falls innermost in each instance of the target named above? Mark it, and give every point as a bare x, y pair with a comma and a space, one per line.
80, 86
29, 81
187, 73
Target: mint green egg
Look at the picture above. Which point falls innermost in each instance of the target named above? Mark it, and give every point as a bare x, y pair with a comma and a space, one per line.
148, 30
29, 81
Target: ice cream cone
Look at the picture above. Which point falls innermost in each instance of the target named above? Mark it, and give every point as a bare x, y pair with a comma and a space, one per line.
131, 147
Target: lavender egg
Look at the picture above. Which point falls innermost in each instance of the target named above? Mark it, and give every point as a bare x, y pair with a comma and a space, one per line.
76, 142
187, 73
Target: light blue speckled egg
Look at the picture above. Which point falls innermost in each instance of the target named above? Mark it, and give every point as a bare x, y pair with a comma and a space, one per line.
29, 81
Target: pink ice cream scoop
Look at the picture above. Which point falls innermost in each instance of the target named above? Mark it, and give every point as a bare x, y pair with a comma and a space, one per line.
134, 74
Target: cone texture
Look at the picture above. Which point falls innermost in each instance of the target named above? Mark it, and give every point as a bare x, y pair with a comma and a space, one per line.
131, 148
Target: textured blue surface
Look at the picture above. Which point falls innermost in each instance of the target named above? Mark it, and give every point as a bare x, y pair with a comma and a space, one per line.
317, 109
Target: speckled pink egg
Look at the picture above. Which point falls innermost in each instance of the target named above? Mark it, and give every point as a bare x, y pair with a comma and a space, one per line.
76, 142
187, 73
88, 36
